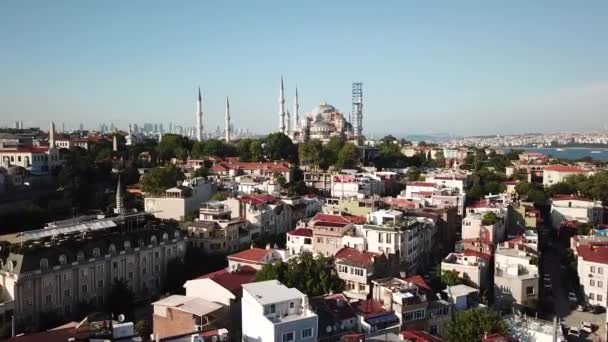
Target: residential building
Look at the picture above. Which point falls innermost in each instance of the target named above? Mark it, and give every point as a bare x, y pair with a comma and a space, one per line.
470, 265
35, 159
415, 188
592, 267
374, 319
255, 257
181, 315
358, 185
274, 312
358, 268
473, 227
299, 241
575, 208
336, 317
178, 202
224, 286
557, 173
408, 300
42, 275
530, 329
319, 180
267, 214
228, 168
516, 277
352, 206
463, 297
327, 233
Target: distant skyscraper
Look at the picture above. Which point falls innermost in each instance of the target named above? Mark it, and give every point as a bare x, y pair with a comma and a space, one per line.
155, 128
161, 128
282, 126
170, 127
81, 127
227, 129
199, 117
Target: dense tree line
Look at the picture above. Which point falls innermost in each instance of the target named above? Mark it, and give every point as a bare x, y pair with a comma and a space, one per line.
473, 324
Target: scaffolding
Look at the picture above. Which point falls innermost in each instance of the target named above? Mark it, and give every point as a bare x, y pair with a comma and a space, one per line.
357, 110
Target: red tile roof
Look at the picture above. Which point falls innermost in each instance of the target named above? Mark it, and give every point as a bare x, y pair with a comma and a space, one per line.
593, 253
565, 197
232, 164
418, 183
368, 307
355, 257
258, 199
418, 281
335, 305
253, 255
60, 335
470, 252
25, 149
355, 219
565, 168
400, 202
300, 232
232, 281
330, 218
419, 336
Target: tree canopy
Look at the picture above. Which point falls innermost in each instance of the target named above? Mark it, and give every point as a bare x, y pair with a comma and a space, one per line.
472, 324
160, 179
312, 275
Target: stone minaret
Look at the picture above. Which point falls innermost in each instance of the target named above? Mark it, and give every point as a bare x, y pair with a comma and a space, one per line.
282, 126
120, 201
52, 135
288, 120
199, 117
114, 144
227, 130
296, 112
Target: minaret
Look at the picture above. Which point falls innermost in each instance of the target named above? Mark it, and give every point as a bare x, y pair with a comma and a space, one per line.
199, 117
282, 108
288, 115
227, 130
114, 144
120, 202
52, 135
296, 112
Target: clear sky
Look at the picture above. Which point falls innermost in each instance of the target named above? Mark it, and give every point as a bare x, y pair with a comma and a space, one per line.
470, 67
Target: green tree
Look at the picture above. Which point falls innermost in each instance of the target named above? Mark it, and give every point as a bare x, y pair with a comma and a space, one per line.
244, 149
561, 188
143, 329
130, 174
536, 195
121, 299
219, 196
348, 157
280, 179
201, 172
280, 147
472, 324
413, 174
256, 151
311, 275
450, 278
172, 146
489, 219
160, 179
310, 152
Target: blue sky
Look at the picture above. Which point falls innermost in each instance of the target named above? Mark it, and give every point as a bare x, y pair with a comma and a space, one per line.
470, 67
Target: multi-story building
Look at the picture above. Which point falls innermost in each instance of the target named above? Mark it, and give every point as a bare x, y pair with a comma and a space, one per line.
575, 208
474, 226
357, 185
273, 312
515, 276
256, 257
358, 268
557, 173
267, 214
414, 188
299, 241
56, 268
327, 233
592, 267
352, 206
178, 202
228, 168
470, 265
216, 231
37, 160
318, 180
180, 315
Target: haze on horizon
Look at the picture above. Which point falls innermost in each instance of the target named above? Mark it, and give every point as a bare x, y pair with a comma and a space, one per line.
470, 67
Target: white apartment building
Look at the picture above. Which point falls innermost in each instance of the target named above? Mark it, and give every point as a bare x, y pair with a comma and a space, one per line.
592, 272
413, 188
574, 208
515, 276
299, 241
473, 228
357, 185
37, 160
557, 173
470, 265
273, 312
176, 203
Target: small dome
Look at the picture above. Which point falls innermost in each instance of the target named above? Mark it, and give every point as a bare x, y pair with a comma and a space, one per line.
324, 108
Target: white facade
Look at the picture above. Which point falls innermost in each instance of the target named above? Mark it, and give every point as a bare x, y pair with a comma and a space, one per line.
273, 312
472, 228
515, 276
176, 204
471, 267
593, 277
299, 241
208, 289
576, 209
556, 174
33, 159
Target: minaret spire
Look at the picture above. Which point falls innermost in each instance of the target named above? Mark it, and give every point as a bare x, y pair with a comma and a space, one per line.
52, 135
199, 117
282, 108
120, 202
296, 112
288, 120
227, 130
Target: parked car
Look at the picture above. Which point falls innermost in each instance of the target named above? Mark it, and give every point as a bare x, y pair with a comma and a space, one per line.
587, 327
574, 331
596, 309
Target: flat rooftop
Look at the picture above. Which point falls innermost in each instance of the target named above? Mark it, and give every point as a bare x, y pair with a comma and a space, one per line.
271, 291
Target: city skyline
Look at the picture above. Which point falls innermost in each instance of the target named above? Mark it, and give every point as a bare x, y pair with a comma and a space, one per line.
468, 69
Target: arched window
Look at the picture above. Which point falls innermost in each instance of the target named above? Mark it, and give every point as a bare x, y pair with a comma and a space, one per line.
80, 256
176, 235
140, 242
127, 244
96, 251
112, 249
153, 240
165, 236
44, 264
63, 259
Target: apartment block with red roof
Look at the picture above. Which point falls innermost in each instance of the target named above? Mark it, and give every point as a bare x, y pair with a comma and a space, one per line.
328, 231
576, 208
557, 173
358, 268
592, 267
255, 257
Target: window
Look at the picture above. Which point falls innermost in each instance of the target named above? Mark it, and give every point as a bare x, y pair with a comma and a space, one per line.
66, 292
127, 245
288, 337
591, 282
273, 308
600, 283
63, 259
153, 240
84, 289
115, 264
44, 264
380, 238
599, 297
307, 333
156, 254
144, 271
592, 269
530, 290
112, 249
96, 251
591, 296
600, 270
292, 305
130, 275
388, 238
80, 256
47, 299
100, 283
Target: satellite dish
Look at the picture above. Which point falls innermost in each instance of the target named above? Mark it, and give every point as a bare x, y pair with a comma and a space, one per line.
121, 318
328, 329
